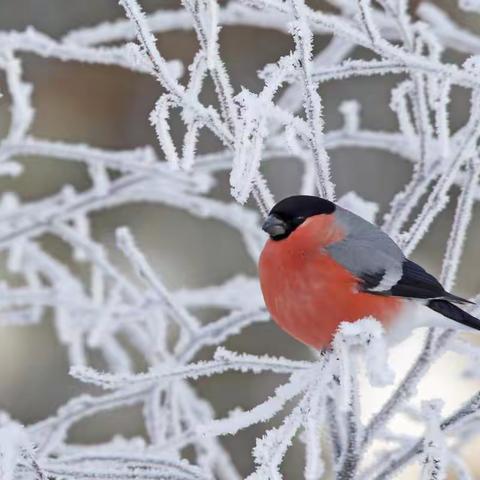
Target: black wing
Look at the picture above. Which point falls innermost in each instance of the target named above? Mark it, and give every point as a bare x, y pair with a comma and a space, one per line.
415, 282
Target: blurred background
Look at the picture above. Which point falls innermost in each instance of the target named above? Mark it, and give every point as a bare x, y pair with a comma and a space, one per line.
108, 107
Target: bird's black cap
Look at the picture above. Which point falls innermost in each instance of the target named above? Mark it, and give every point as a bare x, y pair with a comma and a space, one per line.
302, 205
291, 212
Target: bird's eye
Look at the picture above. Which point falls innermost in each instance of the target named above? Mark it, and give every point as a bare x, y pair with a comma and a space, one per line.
298, 220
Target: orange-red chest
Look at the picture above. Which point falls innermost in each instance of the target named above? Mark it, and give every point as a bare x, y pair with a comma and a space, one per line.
308, 293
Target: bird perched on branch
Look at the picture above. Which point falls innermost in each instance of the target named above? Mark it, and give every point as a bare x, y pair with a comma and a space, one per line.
324, 265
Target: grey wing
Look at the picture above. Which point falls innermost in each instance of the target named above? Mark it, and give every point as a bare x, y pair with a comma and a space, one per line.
379, 264
369, 253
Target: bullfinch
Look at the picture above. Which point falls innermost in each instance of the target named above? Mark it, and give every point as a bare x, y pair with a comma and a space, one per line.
324, 265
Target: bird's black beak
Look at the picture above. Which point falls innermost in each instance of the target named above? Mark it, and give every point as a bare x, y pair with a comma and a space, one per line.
274, 226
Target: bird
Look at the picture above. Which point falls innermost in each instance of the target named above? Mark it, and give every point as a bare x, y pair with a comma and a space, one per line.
323, 265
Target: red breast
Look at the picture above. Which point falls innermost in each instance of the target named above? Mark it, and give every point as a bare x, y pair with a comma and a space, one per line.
308, 293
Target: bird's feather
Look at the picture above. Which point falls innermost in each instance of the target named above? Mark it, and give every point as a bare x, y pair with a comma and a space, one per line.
416, 283
367, 252
379, 264
451, 311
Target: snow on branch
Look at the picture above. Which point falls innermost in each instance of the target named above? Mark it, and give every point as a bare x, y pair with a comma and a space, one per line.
127, 315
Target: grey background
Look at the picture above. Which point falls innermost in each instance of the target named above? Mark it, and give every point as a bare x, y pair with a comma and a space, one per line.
108, 107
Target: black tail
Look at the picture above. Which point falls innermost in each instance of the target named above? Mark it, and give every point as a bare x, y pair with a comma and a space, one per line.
449, 310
